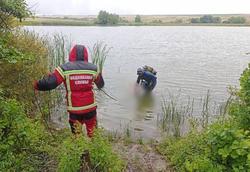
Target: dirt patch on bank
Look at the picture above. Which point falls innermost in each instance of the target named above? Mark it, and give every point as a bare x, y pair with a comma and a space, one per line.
142, 158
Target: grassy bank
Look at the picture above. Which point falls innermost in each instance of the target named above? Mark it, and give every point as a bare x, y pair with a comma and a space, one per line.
223, 145
26, 145
58, 22
28, 142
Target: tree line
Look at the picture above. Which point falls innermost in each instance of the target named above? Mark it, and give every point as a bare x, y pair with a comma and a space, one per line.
11, 9
106, 18
212, 19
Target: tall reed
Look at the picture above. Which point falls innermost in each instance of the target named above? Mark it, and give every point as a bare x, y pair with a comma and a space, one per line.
59, 46
205, 110
99, 53
172, 117
175, 117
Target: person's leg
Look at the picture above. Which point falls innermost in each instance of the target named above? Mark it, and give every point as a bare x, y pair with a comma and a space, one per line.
75, 122
91, 125
72, 127
76, 127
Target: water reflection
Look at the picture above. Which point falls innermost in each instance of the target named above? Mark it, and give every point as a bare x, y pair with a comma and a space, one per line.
144, 106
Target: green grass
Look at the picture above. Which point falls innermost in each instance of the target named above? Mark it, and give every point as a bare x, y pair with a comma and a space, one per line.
102, 157
219, 146
58, 22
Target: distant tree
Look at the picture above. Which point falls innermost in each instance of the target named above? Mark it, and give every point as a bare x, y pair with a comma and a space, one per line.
103, 17
195, 20
236, 20
113, 19
137, 19
206, 19
216, 20
107, 18
12, 8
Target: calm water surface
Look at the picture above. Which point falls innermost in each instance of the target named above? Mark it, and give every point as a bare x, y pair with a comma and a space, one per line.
189, 61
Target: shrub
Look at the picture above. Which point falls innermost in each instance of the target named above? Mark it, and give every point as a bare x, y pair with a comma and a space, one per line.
240, 112
8, 53
195, 20
69, 156
138, 19
22, 140
23, 58
236, 20
244, 93
101, 154
206, 19
219, 148
10, 9
240, 109
229, 147
179, 150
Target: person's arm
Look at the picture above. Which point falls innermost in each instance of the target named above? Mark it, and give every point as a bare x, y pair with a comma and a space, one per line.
99, 81
138, 80
49, 82
153, 80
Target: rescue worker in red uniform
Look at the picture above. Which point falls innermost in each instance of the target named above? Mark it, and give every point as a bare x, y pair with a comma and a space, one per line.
78, 76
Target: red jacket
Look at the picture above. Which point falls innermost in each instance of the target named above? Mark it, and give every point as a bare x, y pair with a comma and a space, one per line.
78, 77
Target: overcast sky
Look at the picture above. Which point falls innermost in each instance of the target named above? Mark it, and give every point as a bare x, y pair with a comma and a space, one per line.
92, 7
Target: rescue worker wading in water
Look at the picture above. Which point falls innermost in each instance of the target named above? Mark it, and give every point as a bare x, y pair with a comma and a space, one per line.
78, 77
146, 78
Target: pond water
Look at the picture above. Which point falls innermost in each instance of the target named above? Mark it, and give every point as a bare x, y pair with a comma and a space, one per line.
189, 61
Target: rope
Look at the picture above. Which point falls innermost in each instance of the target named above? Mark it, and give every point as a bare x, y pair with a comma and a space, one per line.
108, 95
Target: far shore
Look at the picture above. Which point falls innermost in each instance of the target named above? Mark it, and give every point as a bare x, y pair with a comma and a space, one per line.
128, 20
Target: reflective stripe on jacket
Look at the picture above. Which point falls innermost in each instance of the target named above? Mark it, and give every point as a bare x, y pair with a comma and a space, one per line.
79, 86
78, 77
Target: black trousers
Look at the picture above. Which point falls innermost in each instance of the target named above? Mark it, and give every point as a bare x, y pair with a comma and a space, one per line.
80, 118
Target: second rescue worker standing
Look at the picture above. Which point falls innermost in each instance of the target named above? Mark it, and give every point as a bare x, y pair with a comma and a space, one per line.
78, 76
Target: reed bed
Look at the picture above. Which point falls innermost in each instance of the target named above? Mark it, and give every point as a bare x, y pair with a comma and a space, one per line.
172, 117
99, 53
59, 47
177, 118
